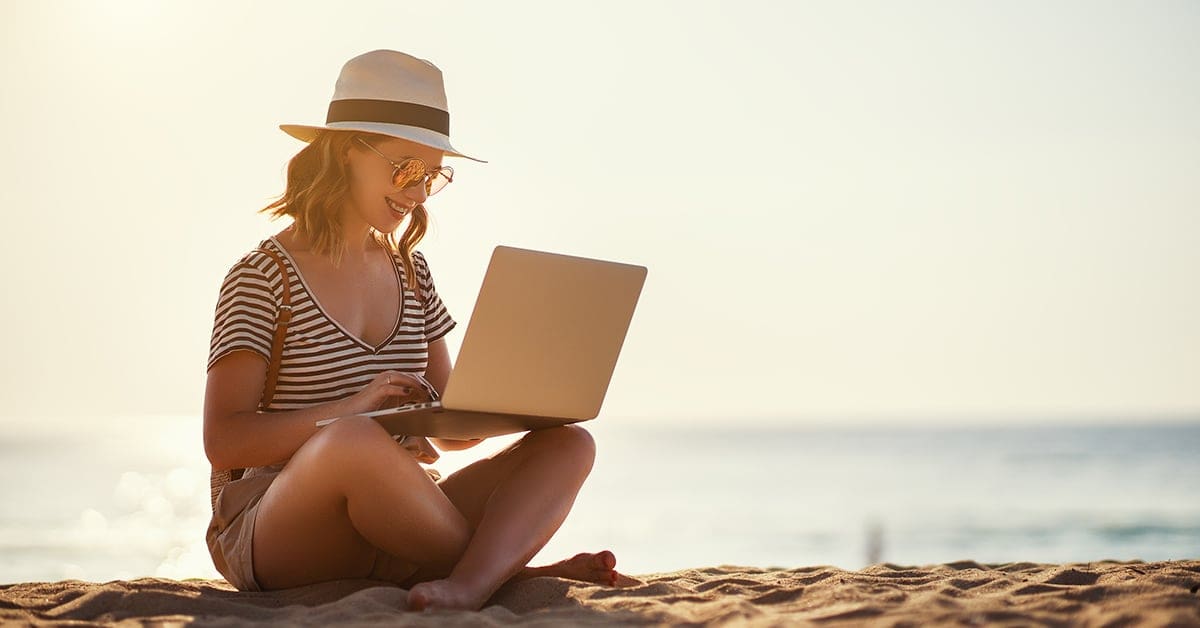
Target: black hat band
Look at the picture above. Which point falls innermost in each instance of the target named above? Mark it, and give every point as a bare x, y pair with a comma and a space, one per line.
391, 111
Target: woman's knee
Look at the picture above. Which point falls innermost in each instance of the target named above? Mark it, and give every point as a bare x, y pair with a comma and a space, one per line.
351, 442
571, 440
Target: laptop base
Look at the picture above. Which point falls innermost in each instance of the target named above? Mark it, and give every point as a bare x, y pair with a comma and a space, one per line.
434, 420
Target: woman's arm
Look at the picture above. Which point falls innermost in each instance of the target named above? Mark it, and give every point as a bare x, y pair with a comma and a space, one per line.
237, 436
438, 373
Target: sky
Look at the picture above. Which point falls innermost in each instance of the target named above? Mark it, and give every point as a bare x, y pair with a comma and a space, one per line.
871, 211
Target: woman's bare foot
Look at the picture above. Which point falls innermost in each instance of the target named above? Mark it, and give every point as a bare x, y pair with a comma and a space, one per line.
589, 567
444, 595
596, 567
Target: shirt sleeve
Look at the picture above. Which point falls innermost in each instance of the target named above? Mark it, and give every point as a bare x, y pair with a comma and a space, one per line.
438, 321
245, 316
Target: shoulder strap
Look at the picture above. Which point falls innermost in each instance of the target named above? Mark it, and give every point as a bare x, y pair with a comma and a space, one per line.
218, 479
282, 317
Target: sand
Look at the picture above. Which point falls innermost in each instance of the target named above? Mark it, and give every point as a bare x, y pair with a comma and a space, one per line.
1103, 593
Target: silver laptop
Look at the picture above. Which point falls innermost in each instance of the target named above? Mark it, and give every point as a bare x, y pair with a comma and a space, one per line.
538, 352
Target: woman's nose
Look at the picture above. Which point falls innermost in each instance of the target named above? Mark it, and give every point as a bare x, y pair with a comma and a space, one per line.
416, 192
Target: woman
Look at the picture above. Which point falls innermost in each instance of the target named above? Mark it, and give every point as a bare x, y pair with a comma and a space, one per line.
367, 330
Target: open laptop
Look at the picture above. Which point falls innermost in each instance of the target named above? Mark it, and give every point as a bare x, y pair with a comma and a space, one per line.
538, 352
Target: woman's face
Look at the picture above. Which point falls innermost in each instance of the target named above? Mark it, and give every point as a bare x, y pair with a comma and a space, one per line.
373, 199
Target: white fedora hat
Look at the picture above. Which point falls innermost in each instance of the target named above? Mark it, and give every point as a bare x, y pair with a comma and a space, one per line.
390, 93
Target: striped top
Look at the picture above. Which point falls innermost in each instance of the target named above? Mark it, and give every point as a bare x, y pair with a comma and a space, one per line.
321, 361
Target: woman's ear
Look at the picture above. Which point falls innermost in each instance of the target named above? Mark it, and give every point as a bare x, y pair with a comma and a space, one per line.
346, 153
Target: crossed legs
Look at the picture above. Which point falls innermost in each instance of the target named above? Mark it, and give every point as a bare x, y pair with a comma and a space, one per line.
350, 493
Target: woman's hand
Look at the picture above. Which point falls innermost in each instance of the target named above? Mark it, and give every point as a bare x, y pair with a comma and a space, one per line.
455, 444
391, 389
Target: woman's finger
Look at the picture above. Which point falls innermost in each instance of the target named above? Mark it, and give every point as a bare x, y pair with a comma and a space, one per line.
414, 380
397, 389
397, 377
390, 379
399, 383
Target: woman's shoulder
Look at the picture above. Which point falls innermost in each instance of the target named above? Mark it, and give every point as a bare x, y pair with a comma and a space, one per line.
259, 261
418, 260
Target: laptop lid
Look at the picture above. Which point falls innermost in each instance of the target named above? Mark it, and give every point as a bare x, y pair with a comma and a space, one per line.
545, 334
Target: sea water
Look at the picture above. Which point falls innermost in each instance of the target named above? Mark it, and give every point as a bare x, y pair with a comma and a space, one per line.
125, 499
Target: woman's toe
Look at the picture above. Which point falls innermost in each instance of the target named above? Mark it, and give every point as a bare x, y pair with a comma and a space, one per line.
606, 560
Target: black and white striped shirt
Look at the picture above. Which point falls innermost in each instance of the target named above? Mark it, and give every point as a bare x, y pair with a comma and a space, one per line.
321, 361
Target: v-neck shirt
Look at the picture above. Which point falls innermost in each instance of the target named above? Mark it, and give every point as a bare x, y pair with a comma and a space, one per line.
321, 360
397, 273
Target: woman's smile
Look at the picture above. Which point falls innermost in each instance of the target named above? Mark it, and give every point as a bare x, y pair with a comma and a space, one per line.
398, 209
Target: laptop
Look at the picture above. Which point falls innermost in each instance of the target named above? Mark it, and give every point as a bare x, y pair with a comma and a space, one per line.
539, 350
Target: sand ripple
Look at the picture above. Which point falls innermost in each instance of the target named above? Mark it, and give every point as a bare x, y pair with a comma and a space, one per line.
1105, 593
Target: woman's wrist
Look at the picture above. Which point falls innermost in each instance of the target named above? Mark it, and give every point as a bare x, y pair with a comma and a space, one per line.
348, 406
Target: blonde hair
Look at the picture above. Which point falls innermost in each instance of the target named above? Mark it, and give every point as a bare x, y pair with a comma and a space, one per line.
317, 188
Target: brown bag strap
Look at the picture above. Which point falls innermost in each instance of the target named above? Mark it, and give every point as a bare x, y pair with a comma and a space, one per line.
282, 317
218, 479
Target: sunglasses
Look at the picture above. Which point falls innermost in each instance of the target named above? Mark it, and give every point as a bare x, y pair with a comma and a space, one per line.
412, 171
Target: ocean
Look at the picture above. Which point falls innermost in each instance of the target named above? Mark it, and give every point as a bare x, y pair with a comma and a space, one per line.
131, 499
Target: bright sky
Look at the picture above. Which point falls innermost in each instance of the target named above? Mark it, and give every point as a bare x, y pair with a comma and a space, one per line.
872, 209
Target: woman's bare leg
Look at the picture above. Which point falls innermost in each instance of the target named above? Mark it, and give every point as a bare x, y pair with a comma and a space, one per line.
519, 498
346, 492
308, 502
596, 567
470, 488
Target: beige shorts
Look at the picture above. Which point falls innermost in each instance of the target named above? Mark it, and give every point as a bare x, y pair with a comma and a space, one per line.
230, 534
231, 529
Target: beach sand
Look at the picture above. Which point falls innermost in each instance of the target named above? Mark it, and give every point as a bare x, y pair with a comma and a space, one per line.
1105, 593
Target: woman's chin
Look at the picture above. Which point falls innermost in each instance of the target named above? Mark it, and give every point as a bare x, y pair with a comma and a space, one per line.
390, 224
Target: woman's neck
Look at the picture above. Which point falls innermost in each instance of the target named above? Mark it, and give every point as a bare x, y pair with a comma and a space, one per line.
359, 238
358, 245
